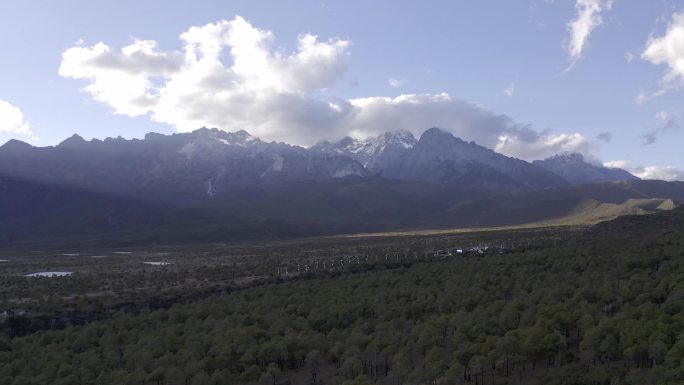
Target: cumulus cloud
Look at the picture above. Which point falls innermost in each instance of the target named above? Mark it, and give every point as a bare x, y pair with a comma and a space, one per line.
12, 120
588, 17
668, 50
228, 75
668, 173
122, 80
667, 122
659, 172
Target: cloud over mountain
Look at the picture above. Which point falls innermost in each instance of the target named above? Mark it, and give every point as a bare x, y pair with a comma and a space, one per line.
668, 173
229, 75
12, 120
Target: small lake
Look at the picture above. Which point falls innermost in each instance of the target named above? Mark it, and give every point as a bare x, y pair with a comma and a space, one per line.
50, 274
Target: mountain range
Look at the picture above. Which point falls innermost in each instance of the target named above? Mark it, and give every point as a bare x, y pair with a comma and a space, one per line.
211, 185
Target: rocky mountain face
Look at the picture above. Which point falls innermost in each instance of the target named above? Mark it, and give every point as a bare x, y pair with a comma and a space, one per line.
576, 170
175, 167
375, 153
439, 157
210, 185
202, 163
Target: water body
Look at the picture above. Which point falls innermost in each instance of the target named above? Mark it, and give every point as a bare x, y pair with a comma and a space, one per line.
50, 274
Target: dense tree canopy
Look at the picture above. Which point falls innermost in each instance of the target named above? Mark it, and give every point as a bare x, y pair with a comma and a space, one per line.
592, 310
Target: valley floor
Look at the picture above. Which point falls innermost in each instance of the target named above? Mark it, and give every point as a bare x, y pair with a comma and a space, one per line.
525, 306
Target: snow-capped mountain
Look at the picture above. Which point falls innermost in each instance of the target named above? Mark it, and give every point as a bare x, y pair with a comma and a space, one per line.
374, 153
199, 163
205, 162
211, 185
575, 169
440, 157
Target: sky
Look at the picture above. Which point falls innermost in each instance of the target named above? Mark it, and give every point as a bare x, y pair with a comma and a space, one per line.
527, 78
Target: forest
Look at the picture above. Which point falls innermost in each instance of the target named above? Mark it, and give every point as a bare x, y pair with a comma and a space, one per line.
603, 305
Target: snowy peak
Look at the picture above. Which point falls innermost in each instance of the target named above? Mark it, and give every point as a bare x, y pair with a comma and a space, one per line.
575, 169
567, 158
240, 138
400, 138
375, 152
440, 157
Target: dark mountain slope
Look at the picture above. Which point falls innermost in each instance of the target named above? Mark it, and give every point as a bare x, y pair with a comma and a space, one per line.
179, 168
574, 169
277, 209
32, 210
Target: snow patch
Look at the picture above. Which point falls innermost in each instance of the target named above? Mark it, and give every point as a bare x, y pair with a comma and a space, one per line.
188, 150
345, 172
278, 163
277, 166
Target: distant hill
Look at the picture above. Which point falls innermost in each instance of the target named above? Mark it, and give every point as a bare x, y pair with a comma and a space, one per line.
576, 170
210, 185
591, 211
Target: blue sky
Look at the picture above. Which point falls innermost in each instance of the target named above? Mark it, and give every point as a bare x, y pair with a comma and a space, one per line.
501, 73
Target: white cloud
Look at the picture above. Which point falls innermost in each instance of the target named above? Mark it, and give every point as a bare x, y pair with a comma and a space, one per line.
228, 75
659, 172
394, 82
12, 120
623, 164
588, 17
510, 90
668, 173
668, 50
544, 145
122, 80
